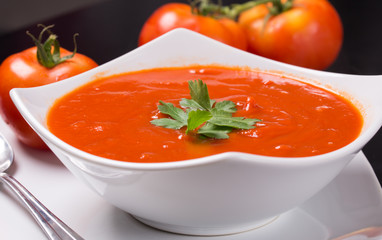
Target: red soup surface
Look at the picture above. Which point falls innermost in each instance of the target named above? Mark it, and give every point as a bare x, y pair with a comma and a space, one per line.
110, 117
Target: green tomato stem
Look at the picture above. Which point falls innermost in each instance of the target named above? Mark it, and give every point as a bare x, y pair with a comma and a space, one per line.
48, 53
236, 9
207, 8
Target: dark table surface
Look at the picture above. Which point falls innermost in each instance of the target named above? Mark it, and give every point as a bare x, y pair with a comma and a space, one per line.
111, 28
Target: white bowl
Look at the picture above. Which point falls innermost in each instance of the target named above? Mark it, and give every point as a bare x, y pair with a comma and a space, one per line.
219, 194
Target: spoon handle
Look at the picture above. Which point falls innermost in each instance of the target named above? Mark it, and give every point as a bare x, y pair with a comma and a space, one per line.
53, 227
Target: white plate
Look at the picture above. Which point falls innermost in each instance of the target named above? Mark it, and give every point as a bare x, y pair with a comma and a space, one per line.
351, 202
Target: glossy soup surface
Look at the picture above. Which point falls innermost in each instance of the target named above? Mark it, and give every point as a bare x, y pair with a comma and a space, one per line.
110, 117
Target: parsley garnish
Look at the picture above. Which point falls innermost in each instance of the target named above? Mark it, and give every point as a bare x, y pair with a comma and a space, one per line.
214, 118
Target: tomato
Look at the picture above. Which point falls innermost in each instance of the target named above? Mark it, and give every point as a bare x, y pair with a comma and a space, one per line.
24, 70
180, 15
309, 34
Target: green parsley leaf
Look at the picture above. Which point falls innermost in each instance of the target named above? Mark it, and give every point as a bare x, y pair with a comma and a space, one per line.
168, 123
214, 118
174, 112
190, 104
234, 122
199, 93
220, 113
226, 106
214, 131
197, 118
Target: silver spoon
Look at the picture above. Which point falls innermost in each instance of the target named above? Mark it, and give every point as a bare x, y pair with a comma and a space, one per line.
52, 226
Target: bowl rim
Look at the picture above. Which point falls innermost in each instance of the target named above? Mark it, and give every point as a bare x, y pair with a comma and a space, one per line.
352, 148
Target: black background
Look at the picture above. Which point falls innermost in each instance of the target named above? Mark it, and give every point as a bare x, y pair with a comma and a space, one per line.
109, 29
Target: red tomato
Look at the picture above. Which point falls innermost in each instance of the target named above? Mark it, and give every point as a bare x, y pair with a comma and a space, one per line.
23, 70
179, 15
309, 34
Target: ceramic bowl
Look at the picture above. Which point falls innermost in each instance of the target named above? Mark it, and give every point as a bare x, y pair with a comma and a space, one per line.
220, 194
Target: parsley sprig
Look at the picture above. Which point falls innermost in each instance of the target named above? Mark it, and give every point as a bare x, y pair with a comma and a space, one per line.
212, 119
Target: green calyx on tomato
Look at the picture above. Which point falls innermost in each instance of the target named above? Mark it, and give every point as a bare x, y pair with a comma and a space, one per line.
208, 8
47, 56
279, 7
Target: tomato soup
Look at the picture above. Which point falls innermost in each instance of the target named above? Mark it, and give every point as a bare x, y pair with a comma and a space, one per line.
110, 117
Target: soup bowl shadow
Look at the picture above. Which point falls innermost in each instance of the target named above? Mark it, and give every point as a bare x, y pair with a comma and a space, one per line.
214, 195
